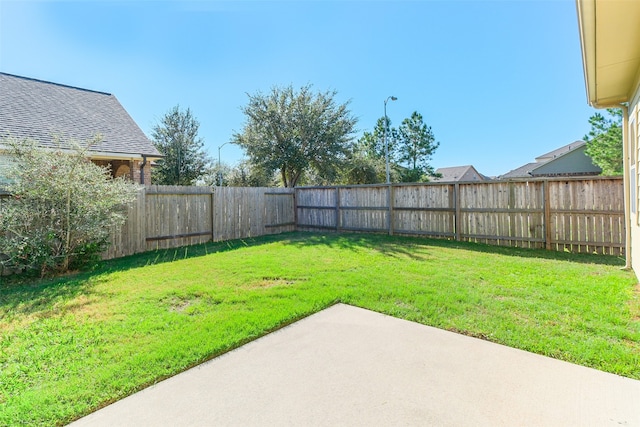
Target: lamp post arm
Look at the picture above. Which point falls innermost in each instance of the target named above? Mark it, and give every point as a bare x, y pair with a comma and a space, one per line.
384, 137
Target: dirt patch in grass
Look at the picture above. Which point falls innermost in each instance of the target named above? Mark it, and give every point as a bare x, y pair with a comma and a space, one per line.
85, 305
631, 343
179, 306
272, 282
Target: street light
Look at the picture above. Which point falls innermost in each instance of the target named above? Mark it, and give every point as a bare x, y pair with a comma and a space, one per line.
219, 163
384, 139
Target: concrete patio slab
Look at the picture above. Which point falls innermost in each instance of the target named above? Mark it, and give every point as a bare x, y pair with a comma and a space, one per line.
349, 366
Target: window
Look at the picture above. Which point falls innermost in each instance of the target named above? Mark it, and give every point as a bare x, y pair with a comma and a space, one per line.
5, 164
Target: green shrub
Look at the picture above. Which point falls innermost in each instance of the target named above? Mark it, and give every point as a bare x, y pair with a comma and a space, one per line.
62, 208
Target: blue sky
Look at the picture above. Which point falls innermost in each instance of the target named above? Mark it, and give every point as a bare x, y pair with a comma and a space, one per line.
499, 82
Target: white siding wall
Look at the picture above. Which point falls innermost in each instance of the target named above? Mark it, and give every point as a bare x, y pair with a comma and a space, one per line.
634, 150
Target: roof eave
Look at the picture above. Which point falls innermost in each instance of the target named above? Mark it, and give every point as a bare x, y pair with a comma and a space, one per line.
610, 42
586, 27
106, 155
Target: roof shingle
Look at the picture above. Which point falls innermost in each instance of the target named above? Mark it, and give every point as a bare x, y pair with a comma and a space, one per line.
40, 110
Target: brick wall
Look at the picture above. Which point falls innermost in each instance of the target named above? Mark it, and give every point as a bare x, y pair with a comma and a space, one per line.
127, 168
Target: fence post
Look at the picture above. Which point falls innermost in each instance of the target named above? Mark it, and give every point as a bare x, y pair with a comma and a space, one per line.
547, 214
511, 206
213, 218
295, 208
456, 202
337, 211
390, 206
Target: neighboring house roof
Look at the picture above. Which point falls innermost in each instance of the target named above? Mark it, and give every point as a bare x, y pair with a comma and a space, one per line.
522, 171
570, 159
460, 173
610, 38
37, 109
560, 151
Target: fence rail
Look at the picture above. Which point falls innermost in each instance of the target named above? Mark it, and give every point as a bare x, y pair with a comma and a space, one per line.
574, 214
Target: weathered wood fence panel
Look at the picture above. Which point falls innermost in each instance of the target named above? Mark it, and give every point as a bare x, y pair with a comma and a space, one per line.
575, 214
362, 209
425, 210
588, 217
279, 210
177, 216
130, 239
173, 216
503, 213
317, 208
241, 212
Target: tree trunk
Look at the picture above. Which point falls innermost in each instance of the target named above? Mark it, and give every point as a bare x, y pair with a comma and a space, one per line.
294, 182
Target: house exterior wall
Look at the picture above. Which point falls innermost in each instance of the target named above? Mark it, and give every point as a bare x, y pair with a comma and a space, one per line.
633, 145
575, 162
128, 168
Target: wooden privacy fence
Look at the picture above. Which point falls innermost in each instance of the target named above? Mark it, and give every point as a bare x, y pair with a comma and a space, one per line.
574, 214
173, 216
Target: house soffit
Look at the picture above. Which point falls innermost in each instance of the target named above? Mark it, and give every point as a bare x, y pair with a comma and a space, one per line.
610, 37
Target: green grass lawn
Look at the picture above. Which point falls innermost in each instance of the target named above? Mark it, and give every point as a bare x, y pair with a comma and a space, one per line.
71, 345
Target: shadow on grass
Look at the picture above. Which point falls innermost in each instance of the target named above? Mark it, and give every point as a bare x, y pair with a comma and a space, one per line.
23, 295
30, 296
405, 245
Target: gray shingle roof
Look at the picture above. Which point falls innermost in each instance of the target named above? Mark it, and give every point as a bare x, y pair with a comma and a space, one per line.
526, 171
39, 110
522, 172
459, 173
560, 151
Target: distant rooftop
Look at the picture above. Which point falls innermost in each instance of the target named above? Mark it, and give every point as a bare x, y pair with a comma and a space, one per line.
460, 173
560, 151
522, 171
557, 163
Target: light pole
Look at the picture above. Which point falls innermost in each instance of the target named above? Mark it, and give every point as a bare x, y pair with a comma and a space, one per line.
384, 138
219, 163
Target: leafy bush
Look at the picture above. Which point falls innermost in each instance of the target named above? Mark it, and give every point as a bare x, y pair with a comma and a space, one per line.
62, 208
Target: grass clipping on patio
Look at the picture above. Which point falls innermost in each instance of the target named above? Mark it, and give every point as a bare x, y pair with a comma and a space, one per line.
71, 345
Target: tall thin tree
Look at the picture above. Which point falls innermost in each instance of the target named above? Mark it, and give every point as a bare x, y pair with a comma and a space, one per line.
176, 137
415, 147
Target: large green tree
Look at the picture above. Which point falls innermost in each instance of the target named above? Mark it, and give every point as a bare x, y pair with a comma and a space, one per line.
176, 137
295, 132
416, 144
604, 141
